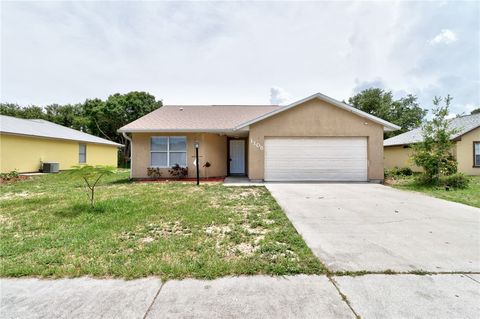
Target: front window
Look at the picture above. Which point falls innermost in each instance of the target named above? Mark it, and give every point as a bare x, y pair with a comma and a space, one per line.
167, 151
476, 154
82, 153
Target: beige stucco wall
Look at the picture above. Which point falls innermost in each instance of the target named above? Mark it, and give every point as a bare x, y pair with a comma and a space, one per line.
316, 118
398, 156
464, 153
213, 148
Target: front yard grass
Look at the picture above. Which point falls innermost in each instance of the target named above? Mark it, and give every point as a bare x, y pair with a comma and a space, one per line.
469, 196
171, 230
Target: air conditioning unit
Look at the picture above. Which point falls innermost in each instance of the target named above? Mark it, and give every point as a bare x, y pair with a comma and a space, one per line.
50, 167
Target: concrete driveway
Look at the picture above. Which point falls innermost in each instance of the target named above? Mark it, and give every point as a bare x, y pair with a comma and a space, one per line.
356, 227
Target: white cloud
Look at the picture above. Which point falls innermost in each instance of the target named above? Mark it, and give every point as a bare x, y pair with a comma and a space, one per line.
279, 96
445, 36
232, 52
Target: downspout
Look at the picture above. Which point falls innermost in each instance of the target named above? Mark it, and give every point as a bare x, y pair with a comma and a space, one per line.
131, 152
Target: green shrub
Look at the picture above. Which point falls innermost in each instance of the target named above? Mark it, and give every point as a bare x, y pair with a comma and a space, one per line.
178, 172
405, 171
457, 180
154, 172
12, 175
425, 179
398, 172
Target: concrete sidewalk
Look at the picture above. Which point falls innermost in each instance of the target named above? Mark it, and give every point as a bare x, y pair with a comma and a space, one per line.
231, 297
370, 296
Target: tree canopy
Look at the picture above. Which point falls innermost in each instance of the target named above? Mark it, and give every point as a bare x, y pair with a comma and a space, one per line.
94, 116
476, 111
404, 112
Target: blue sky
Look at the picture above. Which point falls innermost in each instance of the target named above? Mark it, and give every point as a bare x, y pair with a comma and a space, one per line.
239, 52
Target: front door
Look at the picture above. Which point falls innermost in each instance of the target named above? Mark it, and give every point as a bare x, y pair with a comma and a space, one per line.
237, 157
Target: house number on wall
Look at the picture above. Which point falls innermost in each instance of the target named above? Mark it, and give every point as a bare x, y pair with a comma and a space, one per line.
256, 144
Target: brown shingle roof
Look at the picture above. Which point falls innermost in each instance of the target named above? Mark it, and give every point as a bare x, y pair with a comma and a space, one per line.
197, 118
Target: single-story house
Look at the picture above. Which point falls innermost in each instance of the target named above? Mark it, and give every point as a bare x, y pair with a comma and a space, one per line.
314, 139
466, 150
26, 144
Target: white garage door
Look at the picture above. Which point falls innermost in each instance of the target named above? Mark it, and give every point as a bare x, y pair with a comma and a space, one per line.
316, 159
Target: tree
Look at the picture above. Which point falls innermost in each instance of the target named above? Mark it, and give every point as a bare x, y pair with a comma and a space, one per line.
404, 112
10, 109
26, 112
94, 116
476, 111
119, 110
69, 115
433, 153
91, 175
407, 113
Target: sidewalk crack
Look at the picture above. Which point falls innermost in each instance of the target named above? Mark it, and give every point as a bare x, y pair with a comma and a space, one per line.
478, 282
153, 301
344, 297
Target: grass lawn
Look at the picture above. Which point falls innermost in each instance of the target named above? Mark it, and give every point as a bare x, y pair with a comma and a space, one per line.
469, 196
171, 230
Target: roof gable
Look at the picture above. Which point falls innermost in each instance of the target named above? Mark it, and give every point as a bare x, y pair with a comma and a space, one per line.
387, 125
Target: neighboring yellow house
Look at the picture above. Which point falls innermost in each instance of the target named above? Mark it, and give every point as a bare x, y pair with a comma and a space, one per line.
26, 144
466, 150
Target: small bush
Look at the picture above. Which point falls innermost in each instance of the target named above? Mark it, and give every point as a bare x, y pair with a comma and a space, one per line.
12, 175
178, 172
405, 171
154, 172
457, 180
398, 172
426, 180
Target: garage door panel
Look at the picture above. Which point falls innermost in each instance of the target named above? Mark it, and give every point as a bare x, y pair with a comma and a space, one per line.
316, 159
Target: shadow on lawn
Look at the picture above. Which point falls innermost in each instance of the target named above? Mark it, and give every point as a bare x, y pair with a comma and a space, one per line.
80, 208
114, 205
119, 181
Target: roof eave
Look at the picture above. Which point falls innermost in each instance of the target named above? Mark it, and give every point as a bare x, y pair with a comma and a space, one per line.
62, 139
180, 130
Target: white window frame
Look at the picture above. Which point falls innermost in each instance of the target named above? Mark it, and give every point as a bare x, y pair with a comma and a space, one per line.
80, 154
168, 151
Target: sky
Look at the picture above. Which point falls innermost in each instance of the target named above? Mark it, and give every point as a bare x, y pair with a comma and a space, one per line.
239, 52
